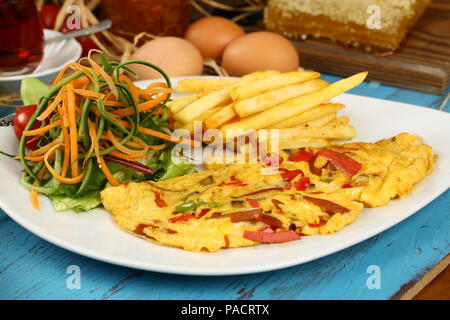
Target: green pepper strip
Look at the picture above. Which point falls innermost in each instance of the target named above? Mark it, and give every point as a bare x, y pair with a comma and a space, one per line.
87, 175
83, 127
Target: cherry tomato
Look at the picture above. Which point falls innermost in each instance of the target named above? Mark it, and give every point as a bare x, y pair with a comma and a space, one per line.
48, 15
21, 118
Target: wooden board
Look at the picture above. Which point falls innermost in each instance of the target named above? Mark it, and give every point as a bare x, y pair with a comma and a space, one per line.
422, 63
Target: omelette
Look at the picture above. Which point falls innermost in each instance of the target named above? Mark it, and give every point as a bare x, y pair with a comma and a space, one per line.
313, 191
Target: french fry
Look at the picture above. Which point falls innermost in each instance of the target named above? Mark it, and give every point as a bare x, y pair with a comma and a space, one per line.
197, 85
221, 117
270, 99
216, 98
293, 107
321, 121
248, 90
178, 104
344, 120
341, 132
210, 101
310, 115
190, 125
258, 75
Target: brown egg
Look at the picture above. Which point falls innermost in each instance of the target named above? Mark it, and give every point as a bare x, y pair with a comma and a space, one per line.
212, 34
259, 51
176, 56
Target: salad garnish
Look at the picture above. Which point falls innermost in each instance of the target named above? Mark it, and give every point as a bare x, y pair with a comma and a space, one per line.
97, 128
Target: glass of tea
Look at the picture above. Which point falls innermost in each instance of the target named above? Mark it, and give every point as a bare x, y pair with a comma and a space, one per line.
21, 37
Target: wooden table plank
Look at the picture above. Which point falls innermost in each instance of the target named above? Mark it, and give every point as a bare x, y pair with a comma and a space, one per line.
31, 268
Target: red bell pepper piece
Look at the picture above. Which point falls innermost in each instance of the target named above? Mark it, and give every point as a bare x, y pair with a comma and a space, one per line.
301, 156
327, 205
274, 237
341, 161
271, 221
302, 184
159, 201
203, 212
234, 182
277, 203
252, 202
290, 175
183, 217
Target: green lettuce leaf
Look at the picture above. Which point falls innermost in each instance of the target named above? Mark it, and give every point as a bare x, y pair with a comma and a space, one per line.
32, 90
166, 166
85, 203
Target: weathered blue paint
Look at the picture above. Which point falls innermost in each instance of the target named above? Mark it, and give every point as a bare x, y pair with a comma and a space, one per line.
31, 268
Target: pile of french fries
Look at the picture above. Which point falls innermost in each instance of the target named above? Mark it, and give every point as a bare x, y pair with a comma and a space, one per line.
297, 103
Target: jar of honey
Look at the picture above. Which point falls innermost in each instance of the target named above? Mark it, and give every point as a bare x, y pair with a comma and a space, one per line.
156, 17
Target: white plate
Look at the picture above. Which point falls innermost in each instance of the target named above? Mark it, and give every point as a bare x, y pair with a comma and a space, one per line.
56, 56
94, 234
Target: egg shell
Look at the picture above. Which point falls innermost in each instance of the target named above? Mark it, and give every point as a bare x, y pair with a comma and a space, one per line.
176, 56
259, 51
211, 35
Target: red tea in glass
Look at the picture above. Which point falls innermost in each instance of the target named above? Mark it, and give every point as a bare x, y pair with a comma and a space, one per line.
21, 37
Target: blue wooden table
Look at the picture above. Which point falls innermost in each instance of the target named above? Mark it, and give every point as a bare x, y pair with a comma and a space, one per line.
385, 266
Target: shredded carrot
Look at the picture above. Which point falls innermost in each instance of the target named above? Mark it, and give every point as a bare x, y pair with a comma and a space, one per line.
158, 147
102, 72
35, 200
161, 135
80, 83
86, 71
89, 94
62, 72
157, 85
134, 144
72, 130
73, 180
36, 159
107, 173
44, 115
134, 90
122, 148
63, 113
168, 137
42, 150
43, 129
33, 193
156, 91
111, 103
94, 140
149, 94
142, 107
128, 157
